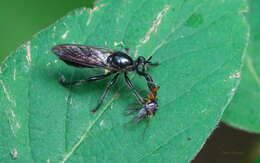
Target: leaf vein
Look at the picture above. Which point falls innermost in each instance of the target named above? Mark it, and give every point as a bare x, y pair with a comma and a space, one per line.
88, 129
252, 70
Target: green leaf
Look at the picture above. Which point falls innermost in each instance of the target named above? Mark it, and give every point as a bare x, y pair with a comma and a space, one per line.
199, 45
243, 112
22, 21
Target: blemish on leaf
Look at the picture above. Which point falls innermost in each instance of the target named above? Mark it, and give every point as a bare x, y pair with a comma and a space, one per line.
203, 111
136, 53
7, 95
244, 11
54, 28
80, 12
70, 101
48, 64
12, 113
28, 52
14, 154
153, 28
18, 125
89, 17
155, 24
101, 123
119, 43
235, 75
64, 36
14, 70
91, 11
13, 124
194, 20
118, 18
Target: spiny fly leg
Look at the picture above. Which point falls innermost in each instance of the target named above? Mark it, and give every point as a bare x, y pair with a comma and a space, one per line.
109, 85
151, 85
148, 79
130, 85
89, 79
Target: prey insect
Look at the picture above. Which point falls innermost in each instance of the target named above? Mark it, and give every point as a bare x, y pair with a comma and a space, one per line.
146, 109
116, 62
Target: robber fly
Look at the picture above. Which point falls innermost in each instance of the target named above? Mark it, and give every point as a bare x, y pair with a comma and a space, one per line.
116, 62
146, 109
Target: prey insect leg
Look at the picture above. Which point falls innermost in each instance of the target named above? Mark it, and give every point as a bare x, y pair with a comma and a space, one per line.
92, 78
130, 85
110, 84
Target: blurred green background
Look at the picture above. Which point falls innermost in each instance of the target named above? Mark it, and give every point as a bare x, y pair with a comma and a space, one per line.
21, 19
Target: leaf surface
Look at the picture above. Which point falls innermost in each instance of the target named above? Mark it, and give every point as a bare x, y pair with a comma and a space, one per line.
243, 112
199, 45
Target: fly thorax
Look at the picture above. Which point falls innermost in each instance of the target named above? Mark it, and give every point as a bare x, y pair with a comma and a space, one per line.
151, 108
120, 60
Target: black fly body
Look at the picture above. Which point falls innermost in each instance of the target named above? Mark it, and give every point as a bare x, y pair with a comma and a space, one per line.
116, 62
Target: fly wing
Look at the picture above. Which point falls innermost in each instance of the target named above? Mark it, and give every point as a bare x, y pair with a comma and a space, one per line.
83, 56
132, 108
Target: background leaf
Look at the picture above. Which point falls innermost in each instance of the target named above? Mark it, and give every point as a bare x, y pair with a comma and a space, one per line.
243, 112
199, 45
24, 18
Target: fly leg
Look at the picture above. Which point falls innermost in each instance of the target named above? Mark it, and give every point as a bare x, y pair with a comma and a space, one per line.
109, 85
148, 79
92, 78
136, 94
